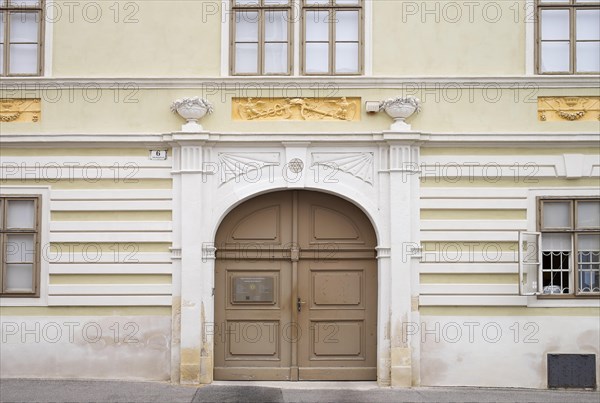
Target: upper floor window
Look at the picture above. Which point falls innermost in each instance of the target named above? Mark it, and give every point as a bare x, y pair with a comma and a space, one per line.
19, 246
21, 31
261, 37
568, 36
262, 31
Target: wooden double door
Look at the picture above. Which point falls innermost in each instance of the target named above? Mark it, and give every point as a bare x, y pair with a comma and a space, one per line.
296, 290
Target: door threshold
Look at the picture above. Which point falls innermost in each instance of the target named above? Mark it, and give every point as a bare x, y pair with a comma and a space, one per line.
346, 385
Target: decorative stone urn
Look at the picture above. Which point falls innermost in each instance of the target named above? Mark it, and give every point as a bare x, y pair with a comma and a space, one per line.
192, 109
399, 109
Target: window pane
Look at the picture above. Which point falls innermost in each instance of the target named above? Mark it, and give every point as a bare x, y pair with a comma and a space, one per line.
554, 24
276, 26
246, 26
346, 27
275, 2
276, 58
588, 57
20, 214
317, 58
19, 248
556, 214
555, 56
246, 2
556, 242
347, 2
19, 277
314, 2
1, 27
23, 27
589, 279
246, 58
346, 57
316, 25
556, 253
23, 59
588, 242
588, 214
588, 24
25, 3
588, 257
1, 59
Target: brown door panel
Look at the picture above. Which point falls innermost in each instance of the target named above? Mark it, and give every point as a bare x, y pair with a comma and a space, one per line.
338, 324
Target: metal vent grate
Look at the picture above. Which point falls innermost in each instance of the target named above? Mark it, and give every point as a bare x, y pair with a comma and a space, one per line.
572, 371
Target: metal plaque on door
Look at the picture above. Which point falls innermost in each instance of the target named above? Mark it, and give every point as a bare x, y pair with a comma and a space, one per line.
252, 289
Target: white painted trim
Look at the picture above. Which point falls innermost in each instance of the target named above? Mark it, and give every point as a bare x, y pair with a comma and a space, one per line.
468, 268
479, 204
469, 289
368, 38
114, 194
109, 289
49, 17
116, 161
529, 15
225, 38
487, 192
44, 193
113, 226
470, 236
534, 302
307, 82
136, 237
490, 173
90, 174
110, 268
440, 139
112, 300
473, 225
472, 300
296, 45
110, 205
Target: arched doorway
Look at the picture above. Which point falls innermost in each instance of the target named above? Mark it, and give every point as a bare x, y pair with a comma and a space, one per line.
295, 290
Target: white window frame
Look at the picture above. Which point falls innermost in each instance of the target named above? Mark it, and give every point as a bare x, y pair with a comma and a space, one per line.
532, 216
296, 45
43, 192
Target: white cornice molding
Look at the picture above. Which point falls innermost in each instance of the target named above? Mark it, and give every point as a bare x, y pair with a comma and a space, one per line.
324, 84
539, 140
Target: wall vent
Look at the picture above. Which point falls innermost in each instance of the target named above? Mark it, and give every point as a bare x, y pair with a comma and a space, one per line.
572, 371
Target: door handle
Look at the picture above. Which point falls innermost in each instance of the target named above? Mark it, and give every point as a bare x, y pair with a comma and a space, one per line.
299, 304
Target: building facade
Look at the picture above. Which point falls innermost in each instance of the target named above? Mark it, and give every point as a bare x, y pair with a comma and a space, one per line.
296, 231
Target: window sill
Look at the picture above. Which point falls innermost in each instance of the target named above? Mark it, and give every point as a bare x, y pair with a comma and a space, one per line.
568, 296
567, 301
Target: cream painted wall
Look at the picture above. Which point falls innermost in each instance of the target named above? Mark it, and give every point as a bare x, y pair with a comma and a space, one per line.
464, 349
136, 39
99, 347
448, 109
448, 38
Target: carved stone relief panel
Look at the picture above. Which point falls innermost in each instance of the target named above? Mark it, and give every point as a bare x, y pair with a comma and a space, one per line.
20, 110
341, 108
556, 109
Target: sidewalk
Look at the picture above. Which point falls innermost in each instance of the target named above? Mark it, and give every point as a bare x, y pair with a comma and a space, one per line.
34, 390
